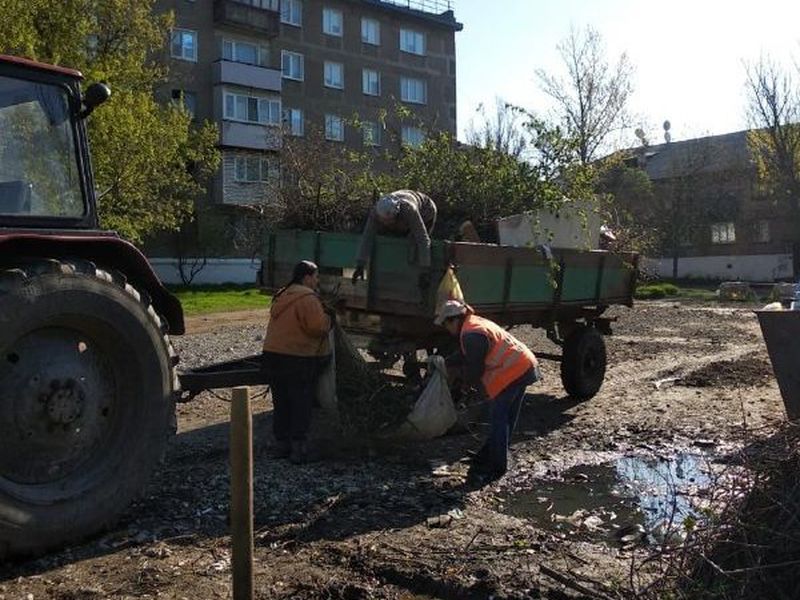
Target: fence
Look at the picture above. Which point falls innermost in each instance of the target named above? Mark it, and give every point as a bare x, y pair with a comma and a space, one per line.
428, 6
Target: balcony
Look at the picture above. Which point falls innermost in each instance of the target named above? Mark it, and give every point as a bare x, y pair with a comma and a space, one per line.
243, 15
234, 134
251, 76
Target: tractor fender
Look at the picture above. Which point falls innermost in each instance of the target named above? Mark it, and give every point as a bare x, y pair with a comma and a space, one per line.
105, 249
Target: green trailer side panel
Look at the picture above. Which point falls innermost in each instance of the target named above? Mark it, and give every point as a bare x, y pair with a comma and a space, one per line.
580, 284
531, 284
616, 283
338, 251
499, 278
481, 284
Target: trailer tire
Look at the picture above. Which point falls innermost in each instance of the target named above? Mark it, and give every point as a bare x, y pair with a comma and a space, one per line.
87, 382
583, 364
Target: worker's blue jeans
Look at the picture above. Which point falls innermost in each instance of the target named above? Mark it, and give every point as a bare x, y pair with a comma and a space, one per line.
504, 414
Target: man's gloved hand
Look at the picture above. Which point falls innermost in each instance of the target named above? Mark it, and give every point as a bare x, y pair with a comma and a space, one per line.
358, 274
424, 281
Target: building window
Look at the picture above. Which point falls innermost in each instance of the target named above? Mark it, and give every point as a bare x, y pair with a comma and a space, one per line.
252, 109
412, 41
412, 136
293, 121
265, 4
372, 133
245, 52
292, 12
183, 44
334, 75
255, 169
723, 233
334, 128
413, 90
187, 99
370, 31
371, 82
332, 22
292, 65
762, 232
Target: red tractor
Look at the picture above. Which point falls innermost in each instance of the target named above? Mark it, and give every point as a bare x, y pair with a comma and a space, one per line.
87, 372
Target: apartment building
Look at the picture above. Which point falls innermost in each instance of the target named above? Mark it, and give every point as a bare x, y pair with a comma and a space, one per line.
715, 219
265, 69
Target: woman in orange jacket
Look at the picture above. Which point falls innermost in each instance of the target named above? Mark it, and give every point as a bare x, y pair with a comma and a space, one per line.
295, 347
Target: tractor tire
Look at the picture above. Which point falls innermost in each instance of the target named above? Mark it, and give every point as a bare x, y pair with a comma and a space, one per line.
87, 384
583, 363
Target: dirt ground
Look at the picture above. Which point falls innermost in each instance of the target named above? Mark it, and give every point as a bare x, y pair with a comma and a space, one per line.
401, 521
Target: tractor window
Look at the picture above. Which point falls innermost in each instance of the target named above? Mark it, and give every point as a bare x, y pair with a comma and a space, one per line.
39, 174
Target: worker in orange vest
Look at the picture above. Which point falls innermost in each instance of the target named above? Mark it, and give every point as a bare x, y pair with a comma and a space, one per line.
501, 367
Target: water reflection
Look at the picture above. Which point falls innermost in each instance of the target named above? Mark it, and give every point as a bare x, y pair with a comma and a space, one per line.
621, 501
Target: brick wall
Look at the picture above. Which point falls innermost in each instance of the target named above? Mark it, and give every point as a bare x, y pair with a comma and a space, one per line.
237, 192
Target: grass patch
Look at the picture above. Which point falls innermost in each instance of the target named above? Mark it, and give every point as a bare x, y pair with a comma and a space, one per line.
200, 300
650, 291
654, 291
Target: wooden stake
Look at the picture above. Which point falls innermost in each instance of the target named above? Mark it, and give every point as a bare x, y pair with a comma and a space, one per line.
242, 494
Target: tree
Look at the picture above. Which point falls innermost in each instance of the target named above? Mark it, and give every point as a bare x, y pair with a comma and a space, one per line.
500, 130
327, 186
591, 100
774, 112
151, 163
630, 204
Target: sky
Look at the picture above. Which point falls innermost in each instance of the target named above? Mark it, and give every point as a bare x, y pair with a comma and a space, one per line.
688, 55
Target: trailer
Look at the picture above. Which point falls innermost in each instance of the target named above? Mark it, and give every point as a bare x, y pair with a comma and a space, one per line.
565, 292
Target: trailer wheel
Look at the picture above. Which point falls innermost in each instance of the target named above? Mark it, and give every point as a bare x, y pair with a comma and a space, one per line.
583, 364
86, 401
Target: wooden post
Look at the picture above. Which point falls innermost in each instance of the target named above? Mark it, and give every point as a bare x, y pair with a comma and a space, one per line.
242, 494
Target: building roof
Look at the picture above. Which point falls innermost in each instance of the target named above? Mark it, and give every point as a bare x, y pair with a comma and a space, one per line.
434, 12
32, 64
712, 154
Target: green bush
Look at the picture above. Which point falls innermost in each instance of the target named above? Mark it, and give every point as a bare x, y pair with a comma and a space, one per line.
653, 291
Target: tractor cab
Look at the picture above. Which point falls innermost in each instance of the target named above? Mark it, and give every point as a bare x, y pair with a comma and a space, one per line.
45, 175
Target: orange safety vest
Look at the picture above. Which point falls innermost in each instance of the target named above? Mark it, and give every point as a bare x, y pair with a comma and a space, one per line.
507, 359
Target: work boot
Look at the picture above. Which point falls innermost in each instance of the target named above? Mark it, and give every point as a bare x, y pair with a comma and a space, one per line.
479, 457
299, 453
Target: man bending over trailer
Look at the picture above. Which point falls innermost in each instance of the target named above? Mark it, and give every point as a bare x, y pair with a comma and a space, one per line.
501, 367
404, 212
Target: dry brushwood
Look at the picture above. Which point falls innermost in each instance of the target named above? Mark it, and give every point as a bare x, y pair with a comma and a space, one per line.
368, 403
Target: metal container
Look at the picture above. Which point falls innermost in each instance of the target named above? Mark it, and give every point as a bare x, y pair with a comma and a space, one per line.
781, 331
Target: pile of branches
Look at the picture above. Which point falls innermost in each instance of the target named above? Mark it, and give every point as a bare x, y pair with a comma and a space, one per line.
753, 550
368, 402
747, 545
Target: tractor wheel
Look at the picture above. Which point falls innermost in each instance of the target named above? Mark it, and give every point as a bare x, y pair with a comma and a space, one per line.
87, 387
583, 364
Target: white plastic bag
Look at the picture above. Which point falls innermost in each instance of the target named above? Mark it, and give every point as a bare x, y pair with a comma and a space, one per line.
433, 413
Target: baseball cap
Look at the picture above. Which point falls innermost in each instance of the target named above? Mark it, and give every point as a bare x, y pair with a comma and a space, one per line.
451, 308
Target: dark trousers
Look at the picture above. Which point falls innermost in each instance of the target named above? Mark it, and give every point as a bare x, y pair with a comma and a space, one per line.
504, 414
293, 380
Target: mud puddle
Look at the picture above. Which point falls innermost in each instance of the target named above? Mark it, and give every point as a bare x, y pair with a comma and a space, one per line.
623, 502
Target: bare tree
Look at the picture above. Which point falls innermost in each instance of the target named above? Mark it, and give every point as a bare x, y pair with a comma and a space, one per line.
501, 130
774, 112
591, 100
